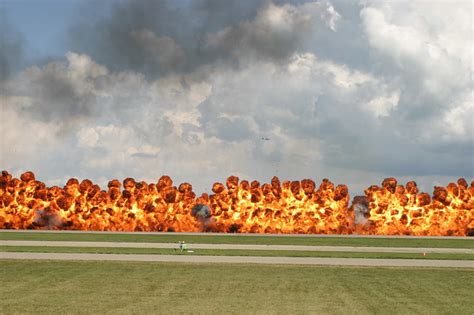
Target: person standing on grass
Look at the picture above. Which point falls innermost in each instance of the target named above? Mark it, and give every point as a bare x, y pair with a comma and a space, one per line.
182, 246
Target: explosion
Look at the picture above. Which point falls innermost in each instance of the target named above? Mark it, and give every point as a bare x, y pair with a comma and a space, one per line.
236, 207
398, 210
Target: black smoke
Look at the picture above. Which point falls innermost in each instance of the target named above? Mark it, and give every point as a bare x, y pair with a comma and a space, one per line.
11, 48
134, 32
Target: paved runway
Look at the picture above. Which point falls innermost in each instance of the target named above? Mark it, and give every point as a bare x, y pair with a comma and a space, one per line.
242, 247
244, 260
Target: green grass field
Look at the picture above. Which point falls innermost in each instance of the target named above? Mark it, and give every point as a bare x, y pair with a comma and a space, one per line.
136, 287
118, 287
242, 239
233, 252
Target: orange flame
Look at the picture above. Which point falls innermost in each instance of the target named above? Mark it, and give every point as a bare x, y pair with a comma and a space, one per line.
245, 207
291, 207
399, 210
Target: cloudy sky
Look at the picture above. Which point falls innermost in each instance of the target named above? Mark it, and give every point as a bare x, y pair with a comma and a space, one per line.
354, 91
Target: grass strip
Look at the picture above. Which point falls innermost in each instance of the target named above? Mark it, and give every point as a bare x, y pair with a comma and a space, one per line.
241, 239
53, 287
233, 252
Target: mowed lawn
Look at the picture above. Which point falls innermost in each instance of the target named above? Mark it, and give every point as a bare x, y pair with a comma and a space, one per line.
125, 287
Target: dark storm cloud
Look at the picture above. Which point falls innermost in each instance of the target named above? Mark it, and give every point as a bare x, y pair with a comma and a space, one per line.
11, 48
155, 37
61, 92
158, 37
55, 99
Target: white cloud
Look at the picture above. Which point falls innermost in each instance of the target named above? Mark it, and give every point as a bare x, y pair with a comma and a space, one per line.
24, 143
429, 43
331, 16
87, 138
381, 106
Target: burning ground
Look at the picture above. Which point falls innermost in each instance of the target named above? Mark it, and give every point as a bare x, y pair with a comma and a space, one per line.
237, 207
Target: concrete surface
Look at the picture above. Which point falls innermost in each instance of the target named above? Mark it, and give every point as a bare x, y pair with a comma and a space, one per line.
245, 260
241, 247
